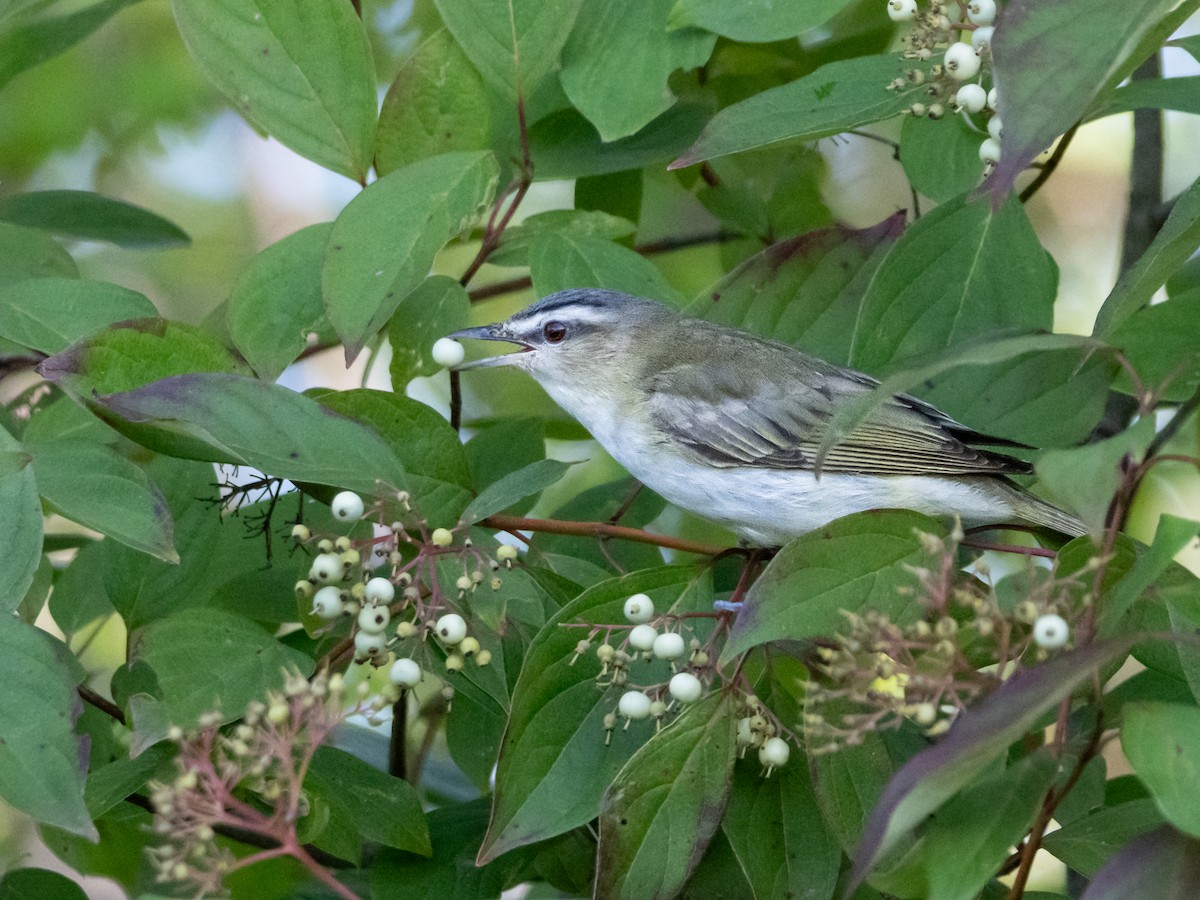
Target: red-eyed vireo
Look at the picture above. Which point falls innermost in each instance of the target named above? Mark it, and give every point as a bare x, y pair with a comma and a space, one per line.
728, 424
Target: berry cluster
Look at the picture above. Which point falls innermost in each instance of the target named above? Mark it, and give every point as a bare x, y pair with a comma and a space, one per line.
962, 35
928, 671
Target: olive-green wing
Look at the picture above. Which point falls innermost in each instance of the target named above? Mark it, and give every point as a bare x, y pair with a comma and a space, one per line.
776, 417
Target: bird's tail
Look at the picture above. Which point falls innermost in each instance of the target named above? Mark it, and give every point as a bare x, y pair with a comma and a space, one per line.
1038, 512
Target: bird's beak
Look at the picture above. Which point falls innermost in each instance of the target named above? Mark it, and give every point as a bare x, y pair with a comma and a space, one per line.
495, 332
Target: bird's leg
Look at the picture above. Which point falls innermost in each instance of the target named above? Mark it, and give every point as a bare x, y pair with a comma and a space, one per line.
754, 555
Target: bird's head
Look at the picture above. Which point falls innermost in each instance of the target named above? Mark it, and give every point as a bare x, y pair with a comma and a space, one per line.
577, 336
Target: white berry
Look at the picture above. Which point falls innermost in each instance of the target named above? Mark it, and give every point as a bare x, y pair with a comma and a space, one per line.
685, 687
961, 61
368, 644
451, 629
447, 353
981, 38
642, 637
327, 603
1051, 631
774, 752
639, 609
326, 567
405, 672
442, 537
989, 151
982, 12
669, 645
993, 99
634, 705
995, 127
902, 10
347, 507
374, 619
380, 590
971, 97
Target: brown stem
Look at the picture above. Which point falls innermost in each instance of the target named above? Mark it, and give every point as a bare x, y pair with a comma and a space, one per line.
1051, 164
103, 704
455, 400
599, 530
320, 872
1009, 548
1142, 222
398, 740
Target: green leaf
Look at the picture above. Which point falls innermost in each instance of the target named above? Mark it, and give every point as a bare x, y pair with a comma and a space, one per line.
95, 486
960, 271
1053, 59
964, 849
438, 306
28, 253
1088, 476
853, 563
499, 495
558, 260
1171, 536
566, 145
616, 63
276, 303
133, 353
395, 818
92, 217
110, 784
972, 746
50, 314
517, 240
775, 830
771, 20
554, 763
206, 659
384, 241
1162, 743
39, 884
512, 43
303, 74
666, 803
848, 783
437, 104
435, 465
1087, 844
29, 44
940, 158
232, 419
804, 291
505, 447
20, 523
1159, 342
42, 760
1164, 858
1190, 44
1175, 242
837, 97
1180, 94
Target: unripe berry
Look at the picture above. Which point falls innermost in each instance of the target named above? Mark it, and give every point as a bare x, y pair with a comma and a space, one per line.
455, 662
902, 10
981, 39
369, 645
379, 590
301, 533
325, 545
506, 553
995, 127
442, 537
1051, 631
304, 589
971, 97
374, 619
483, 657
328, 603
961, 61
447, 352
469, 646
669, 646
342, 544
640, 638
989, 151
658, 709
639, 609
685, 687
405, 672
347, 507
982, 12
326, 567
277, 713
405, 629
451, 629
774, 753
464, 583
634, 705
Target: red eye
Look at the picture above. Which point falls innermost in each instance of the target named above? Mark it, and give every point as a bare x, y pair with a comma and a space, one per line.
554, 332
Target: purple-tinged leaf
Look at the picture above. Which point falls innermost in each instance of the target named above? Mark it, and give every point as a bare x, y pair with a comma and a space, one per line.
981, 735
1088, 843
1164, 861
666, 803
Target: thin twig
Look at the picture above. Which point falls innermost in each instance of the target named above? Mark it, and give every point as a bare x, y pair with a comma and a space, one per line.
103, 704
599, 529
1050, 165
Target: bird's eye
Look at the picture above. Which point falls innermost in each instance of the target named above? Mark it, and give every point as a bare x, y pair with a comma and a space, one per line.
554, 332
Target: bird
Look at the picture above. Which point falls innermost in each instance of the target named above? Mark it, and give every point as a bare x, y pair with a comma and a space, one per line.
729, 425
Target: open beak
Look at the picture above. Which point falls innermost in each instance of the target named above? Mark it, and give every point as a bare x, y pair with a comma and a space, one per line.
496, 332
